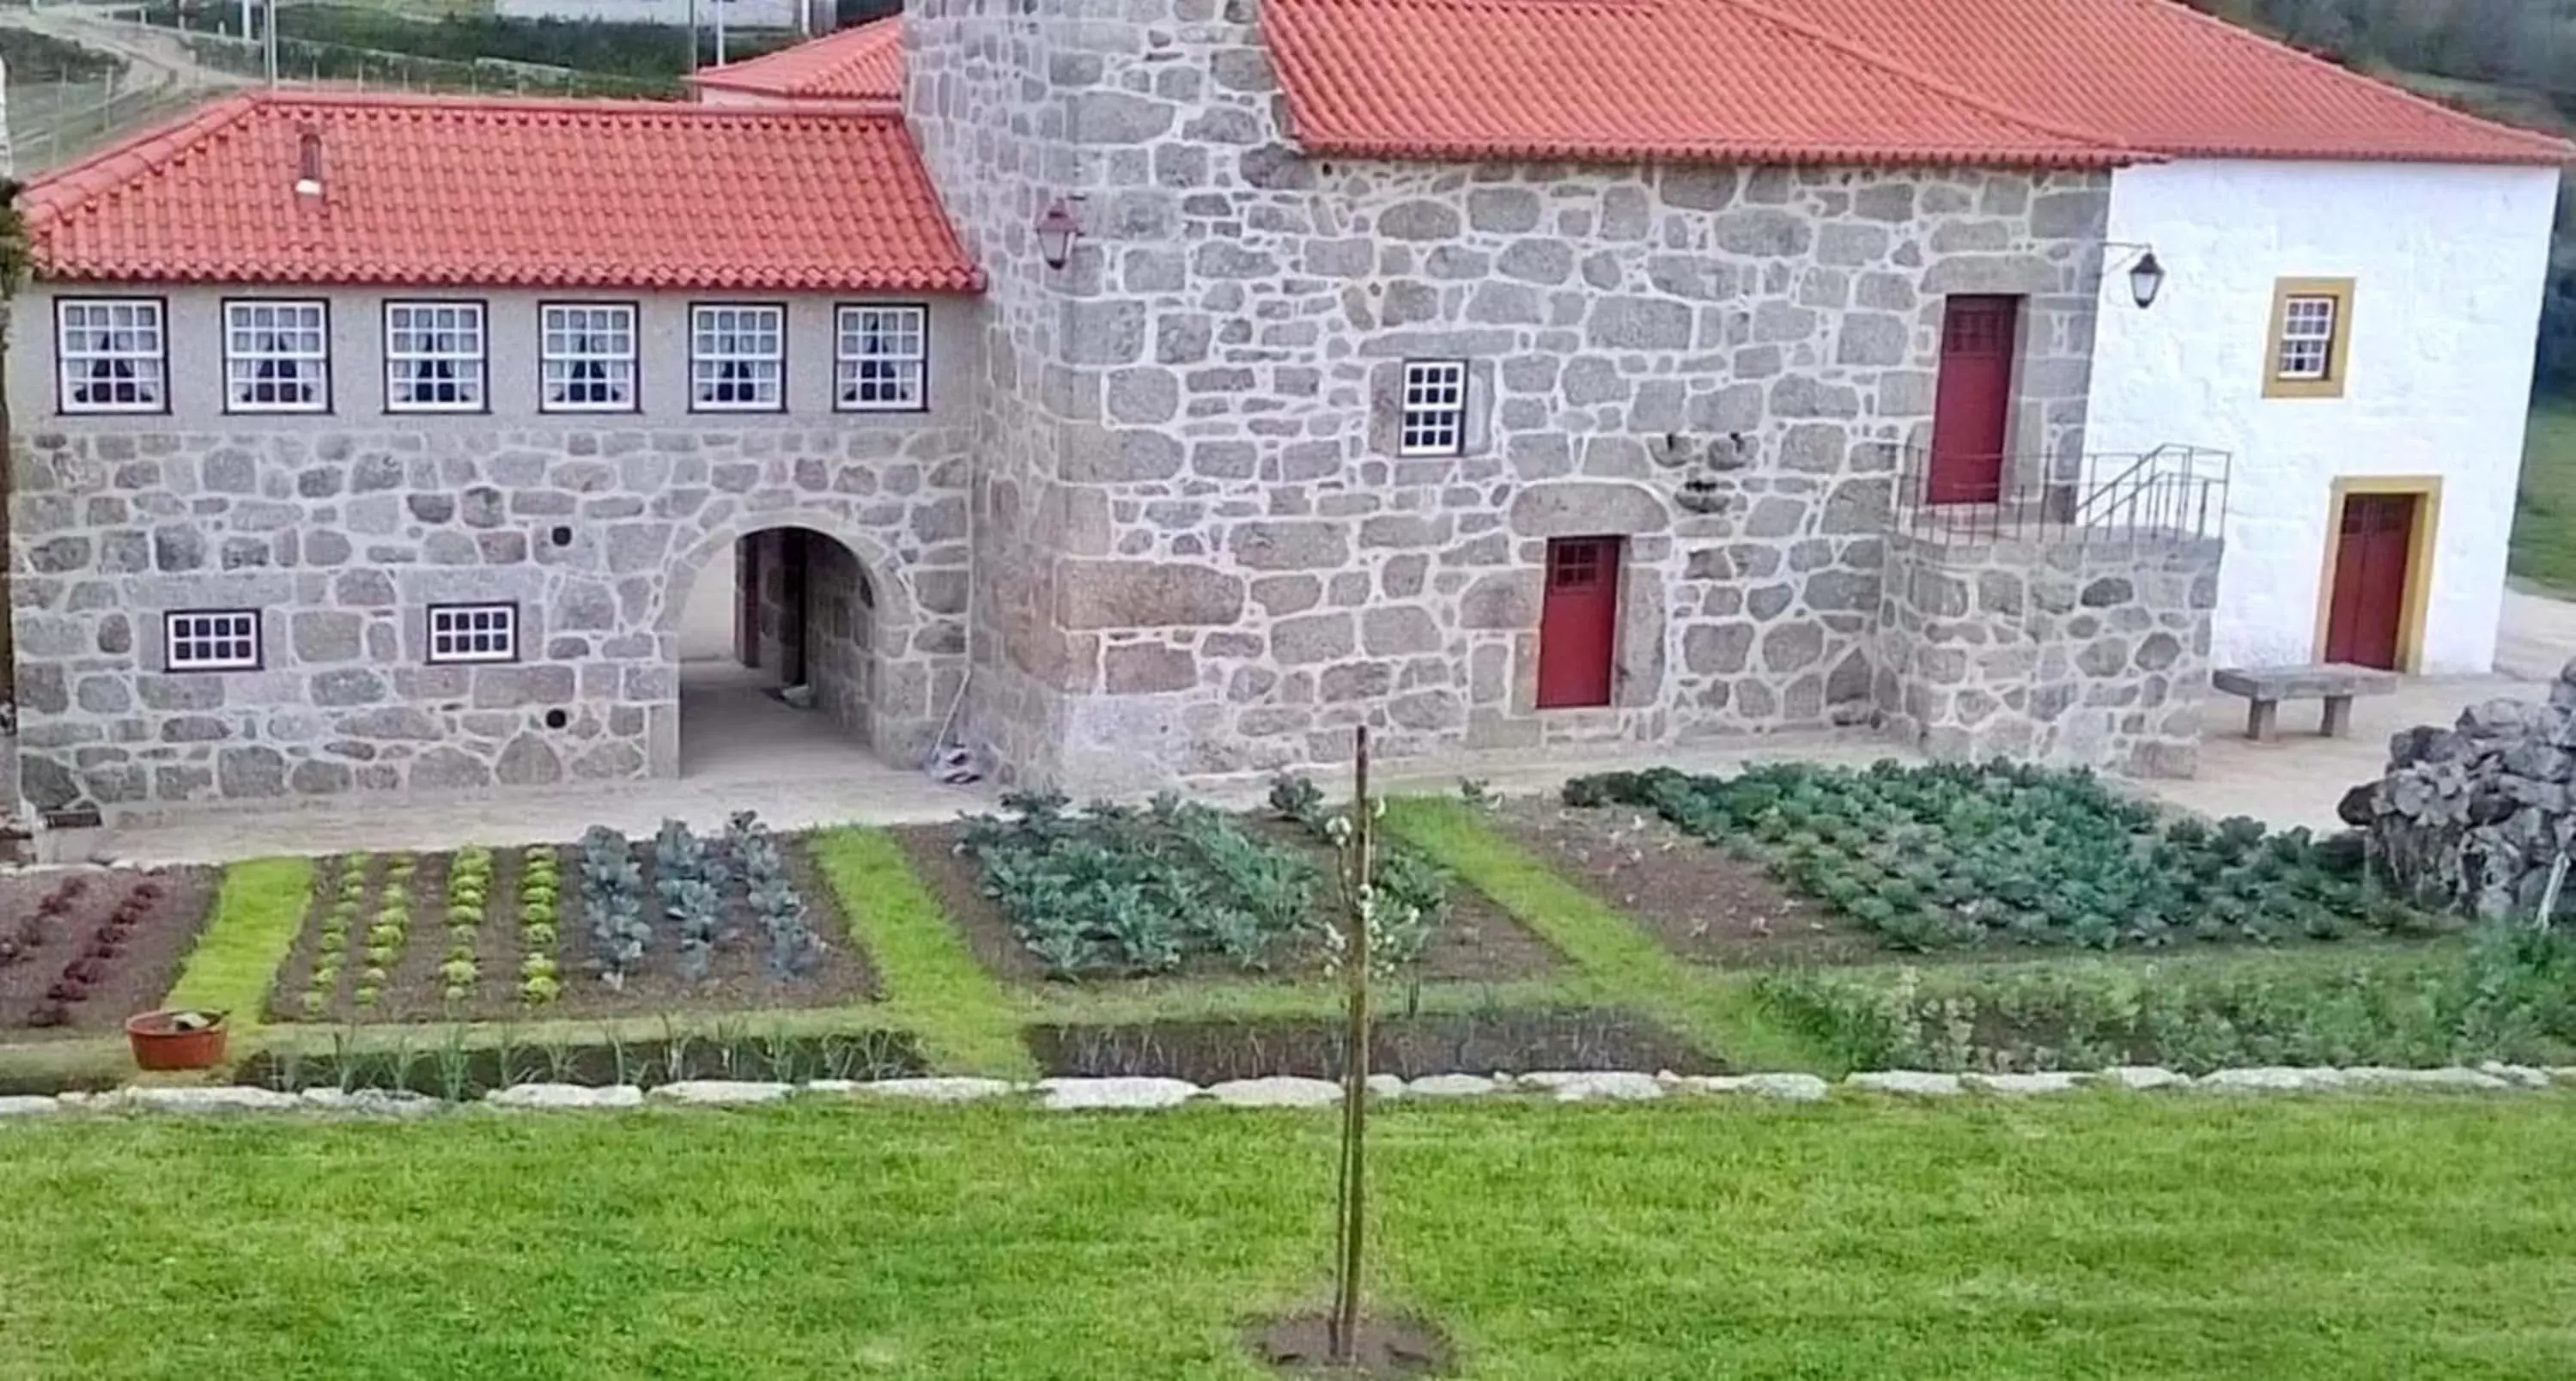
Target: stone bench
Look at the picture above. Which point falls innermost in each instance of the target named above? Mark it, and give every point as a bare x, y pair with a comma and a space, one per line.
2335, 683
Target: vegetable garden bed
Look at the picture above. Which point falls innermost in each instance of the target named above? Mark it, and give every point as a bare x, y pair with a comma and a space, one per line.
1706, 905
449, 1068
1499, 1040
1109, 894
545, 932
1954, 857
81, 950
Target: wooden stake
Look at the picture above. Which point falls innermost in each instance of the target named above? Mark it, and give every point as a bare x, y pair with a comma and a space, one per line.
1358, 877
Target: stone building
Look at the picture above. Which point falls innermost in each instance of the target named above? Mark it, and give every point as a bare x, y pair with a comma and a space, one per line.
1633, 374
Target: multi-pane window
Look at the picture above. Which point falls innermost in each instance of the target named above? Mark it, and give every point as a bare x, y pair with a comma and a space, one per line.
210, 640
586, 359
2310, 354
737, 359
277, 357
434, 356
474, 633
882, 353
2307, 337
1434, 419
113, 355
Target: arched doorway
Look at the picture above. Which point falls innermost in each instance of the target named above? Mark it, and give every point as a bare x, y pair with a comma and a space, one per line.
784, 636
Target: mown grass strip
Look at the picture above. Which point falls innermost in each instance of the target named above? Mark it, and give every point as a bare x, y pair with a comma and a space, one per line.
1622, 964
2093, 1237
934, 988
257, 913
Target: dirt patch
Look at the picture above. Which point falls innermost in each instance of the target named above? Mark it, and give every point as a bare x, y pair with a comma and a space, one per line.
1706, 904
1507, 1040
1302, 1346
1476, 940
82, 950
416, 989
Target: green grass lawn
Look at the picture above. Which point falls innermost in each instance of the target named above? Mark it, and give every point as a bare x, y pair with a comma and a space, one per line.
2544, 521
2096, 1237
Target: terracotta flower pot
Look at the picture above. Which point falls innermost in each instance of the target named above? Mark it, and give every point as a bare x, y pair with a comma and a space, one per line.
161, 1041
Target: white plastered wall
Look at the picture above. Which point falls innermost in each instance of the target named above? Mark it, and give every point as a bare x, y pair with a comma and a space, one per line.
2447, 263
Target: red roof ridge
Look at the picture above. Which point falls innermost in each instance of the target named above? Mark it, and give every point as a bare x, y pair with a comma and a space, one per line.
77, 183
573, 105
2563, 150
856, 63
1948, 90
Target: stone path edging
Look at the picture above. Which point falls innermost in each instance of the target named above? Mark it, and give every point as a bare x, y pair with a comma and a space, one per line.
1112, 1095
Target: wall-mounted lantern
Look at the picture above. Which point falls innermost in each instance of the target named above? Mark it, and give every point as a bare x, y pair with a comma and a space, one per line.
1057, 230
2146, 272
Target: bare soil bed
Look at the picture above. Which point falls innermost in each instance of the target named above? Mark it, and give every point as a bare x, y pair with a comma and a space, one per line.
415, 989
82, 950
1705, 904
1508, 1040
1476, 941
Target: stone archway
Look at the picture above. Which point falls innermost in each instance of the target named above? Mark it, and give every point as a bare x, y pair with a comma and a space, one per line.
831, 610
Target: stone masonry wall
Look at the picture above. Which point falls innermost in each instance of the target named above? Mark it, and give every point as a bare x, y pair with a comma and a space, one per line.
1197, 550
2081, 655
832, 623
343, 539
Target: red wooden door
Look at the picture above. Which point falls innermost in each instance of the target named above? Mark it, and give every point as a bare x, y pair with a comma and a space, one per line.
2369, 600
1972, 407
1578, 622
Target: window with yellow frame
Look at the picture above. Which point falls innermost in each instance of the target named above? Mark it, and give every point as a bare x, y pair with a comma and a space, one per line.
2311, 345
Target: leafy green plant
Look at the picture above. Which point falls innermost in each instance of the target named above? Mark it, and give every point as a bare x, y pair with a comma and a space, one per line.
1296, 798
1952, 856
613, 900
2510, 995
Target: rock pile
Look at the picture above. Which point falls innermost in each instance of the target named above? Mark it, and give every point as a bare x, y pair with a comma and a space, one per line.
2473, 817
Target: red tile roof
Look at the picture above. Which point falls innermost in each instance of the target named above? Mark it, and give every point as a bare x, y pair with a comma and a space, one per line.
2161, 76
459, 190
864, 63
2026, 83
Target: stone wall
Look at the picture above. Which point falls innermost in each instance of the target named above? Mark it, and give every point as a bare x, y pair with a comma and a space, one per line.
2474, 817
343, 539
2078, 654
1197, 549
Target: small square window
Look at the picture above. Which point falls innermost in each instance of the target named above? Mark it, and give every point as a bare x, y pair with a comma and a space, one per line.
2311, 338
881, 356
277, 357
587, 357
434, 356
113, 355
737, 359
473, 633
210, 640
1434, 421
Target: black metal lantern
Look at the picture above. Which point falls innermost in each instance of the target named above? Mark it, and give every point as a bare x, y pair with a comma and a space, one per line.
2146, 279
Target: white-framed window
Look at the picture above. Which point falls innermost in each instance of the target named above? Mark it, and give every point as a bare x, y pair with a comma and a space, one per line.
2307, 336
737, 358
210, 640
434, 354
881, 359
277, 357
473, 633
113, 354
1434, 420
586, 357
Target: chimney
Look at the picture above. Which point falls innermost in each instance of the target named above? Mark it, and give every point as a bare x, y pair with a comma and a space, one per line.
308, 176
